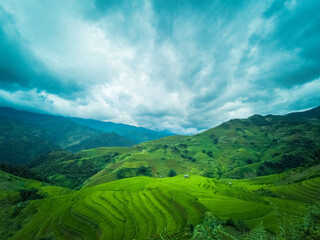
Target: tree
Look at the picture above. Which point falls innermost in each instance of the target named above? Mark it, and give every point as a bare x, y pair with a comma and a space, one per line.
209, 153
311, 223
172, 173
30, 194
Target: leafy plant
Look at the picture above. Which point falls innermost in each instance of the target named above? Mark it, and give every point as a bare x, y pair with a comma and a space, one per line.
210, 229
311, 223
258, 233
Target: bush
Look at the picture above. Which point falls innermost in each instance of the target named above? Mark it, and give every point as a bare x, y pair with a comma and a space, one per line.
209, 229
144, 171
172, 173
18, 208
133, 172
209, 174
311, 223
30, 194
240, 225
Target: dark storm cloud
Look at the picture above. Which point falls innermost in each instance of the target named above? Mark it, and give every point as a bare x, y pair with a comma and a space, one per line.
19, 68
14, 66
296, 35
184, 65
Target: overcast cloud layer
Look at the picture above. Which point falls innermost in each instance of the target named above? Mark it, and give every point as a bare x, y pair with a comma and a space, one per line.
178, 65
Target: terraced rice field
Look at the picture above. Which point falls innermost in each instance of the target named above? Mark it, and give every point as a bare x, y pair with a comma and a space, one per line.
141, 207
306, 191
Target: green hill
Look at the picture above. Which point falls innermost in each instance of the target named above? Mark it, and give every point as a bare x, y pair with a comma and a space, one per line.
250, 174
236, 149
19, 142
240, 148
71, 170
25, 135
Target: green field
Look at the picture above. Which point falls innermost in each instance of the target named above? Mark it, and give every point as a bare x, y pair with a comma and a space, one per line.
142, 207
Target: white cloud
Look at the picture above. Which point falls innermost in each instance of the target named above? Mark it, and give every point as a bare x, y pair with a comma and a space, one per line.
183, 70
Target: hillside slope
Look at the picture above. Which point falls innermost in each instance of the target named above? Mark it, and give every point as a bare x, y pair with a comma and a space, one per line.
26, 135
20, 142
237, 149
240, 148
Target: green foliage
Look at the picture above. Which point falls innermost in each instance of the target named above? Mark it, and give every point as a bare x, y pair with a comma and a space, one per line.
71, 170
22, 172
210, 154
30, 194
209, 174
239, 225
286, 162
133, 172
210, 229
172, 173
258, 233
18, 208
311, 223
165, 235
144, 171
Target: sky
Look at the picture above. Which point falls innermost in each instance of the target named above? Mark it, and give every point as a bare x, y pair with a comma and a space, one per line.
182, 66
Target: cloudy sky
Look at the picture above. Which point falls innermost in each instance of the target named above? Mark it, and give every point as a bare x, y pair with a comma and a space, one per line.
181, 65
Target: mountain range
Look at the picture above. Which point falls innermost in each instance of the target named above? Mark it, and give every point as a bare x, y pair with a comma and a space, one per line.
25, 135
239, 148
253, 178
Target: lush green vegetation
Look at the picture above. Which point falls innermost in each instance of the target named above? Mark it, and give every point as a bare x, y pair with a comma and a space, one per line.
245, 148
23, 172
142, 207
71, 170
20, 142
256, 178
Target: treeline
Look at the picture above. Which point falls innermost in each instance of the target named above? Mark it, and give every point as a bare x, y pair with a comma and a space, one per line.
22, 172
288, 161
133, 172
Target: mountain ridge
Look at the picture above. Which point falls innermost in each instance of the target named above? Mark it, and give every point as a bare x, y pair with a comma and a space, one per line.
133, 133
22, 130
239, 148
